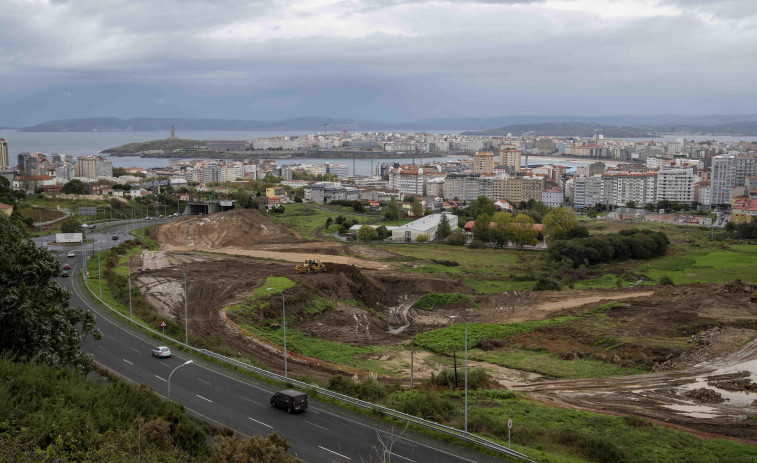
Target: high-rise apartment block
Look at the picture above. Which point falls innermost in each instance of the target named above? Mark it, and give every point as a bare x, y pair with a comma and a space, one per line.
4, 154
676, 184
729, 171
483, 162
510, 158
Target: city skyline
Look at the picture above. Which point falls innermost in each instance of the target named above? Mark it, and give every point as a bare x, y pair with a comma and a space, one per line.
376, 60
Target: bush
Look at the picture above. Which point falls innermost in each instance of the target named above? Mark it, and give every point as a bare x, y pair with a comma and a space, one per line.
547, 284
422, 238
432, 300
666, 280
628, 244
457, 238
477, 244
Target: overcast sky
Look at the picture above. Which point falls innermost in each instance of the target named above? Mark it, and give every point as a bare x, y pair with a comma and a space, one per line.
384, 60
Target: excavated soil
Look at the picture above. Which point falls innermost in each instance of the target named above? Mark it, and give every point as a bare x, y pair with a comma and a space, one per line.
374, 307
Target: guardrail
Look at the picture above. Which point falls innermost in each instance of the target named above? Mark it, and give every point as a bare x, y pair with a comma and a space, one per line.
454, 432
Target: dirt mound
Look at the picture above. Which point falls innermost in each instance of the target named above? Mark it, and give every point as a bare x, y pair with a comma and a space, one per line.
735, 382
738, 287
705, 395
240, 228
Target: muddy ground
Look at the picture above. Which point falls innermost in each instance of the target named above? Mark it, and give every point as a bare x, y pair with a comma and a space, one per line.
684, 334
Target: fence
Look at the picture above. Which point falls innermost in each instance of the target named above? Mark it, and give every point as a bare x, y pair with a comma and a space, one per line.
454, 432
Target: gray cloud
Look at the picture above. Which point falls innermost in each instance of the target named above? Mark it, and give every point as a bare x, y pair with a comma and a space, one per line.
376, 59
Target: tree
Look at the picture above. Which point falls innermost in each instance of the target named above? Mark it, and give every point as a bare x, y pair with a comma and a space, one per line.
444, 228
482, 205
392, 210
500, 234
382, 233
417, 208
70, 226
457, 238
631, 204
557, 223
522, 231
74, 187
482, 228
36, 322
367, 233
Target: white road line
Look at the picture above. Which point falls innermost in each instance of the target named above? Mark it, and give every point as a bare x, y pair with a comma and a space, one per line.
324, 448
135, 350
250, 400
317, 426
127, 362
101, 346
198, 379
400, 456
159, 377
203, 398
166, 365
260, 422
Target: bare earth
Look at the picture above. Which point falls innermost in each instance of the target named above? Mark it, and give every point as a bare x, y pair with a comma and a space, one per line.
227, 255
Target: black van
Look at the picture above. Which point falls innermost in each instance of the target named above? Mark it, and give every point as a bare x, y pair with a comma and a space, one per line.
290, 400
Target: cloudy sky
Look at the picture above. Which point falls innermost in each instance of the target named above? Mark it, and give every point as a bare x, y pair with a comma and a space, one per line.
384, 60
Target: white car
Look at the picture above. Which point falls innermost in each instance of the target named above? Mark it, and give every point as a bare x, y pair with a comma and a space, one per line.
161, 352
71, 254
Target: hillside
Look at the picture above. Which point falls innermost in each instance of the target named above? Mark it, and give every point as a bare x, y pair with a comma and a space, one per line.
167, 144
573, 129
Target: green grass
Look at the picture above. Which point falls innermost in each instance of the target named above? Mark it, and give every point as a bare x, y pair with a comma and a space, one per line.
305, 218
707, 265
549, 364
431, 301
451, 338
329, 351
496, 286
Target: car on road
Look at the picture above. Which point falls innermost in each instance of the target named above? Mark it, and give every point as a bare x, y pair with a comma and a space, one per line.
290, 400
71, 254
66, 267
115, 237
64, 274
161, 216
91, 227
161, 352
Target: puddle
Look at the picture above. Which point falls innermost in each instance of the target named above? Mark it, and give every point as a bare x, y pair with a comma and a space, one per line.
739, 398
694, 411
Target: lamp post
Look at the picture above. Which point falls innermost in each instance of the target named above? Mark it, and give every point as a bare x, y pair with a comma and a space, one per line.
128, 266
172, 371
283, 317
466, 367
99, 278
186, 318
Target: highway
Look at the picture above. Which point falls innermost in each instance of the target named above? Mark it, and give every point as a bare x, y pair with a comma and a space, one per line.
324, 433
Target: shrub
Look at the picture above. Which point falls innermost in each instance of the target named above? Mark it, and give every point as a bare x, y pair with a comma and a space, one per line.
477, 244
422, 238
547, 284
666, 280
457, 238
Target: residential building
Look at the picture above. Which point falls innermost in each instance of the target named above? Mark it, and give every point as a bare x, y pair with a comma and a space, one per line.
621, 188
587, 192
552, 197
483, 162
702, 193
340, 170
729, 171
676, 184
409, 180
4, 154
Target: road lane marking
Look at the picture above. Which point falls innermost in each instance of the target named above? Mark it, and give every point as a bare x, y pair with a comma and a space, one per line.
260, 422
198, 379
159, 377
127, 362
135, 350
203, 398
324, 448
400, 456
250, 400
317, 426
101, 346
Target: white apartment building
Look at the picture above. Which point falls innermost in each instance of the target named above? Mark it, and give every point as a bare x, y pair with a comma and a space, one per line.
676, 184
703, 193
587, 192
408, 180
435, 187
658, 163
230, 172
250, 171
621, 188
552, 197
340, 170
729, 171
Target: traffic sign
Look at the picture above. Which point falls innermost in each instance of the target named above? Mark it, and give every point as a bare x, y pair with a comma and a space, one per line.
163, 324
510, 423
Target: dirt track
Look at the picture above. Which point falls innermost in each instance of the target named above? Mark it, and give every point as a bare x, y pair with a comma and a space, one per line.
298, 257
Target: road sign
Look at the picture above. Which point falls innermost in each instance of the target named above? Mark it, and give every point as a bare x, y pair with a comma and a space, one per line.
87, 210
509, 427
510, 423
163, 324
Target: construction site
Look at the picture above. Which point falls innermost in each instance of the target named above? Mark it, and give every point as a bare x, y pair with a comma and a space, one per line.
683, 356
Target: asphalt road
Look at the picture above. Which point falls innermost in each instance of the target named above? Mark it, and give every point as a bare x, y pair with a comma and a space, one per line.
324, 433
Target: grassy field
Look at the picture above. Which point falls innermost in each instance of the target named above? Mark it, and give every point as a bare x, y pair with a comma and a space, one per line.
305, 218
718, 265
546, 363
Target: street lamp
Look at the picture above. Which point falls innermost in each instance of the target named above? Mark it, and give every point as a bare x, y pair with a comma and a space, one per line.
172, 371
466, 367
283, 317
99, 278
128, 266
186, 318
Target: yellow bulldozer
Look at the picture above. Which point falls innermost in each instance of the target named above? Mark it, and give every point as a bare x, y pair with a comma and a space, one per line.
311, 266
